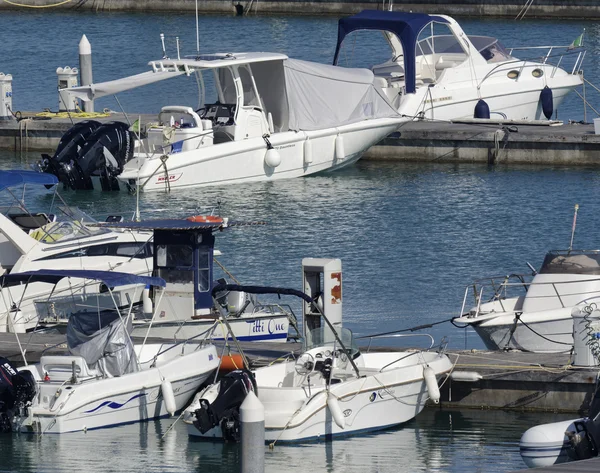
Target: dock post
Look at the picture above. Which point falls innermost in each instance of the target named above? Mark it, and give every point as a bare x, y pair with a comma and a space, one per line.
5, 96
85, 69
252, 433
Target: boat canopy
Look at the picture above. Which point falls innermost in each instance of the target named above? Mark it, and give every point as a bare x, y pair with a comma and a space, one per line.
406, 26
53, 276
18, 177
571, 262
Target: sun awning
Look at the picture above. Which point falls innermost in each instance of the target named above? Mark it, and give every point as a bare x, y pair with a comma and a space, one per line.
51, 276
101, 89
406, 26
17, 177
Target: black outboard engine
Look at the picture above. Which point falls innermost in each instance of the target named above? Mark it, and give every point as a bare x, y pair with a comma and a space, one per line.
107, 150
224, 411
17, 390
68, 146
585, 441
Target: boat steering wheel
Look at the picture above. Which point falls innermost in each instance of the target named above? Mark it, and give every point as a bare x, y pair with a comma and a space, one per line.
305, 364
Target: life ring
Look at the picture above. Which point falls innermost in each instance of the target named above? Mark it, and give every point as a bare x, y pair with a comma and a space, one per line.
205, 219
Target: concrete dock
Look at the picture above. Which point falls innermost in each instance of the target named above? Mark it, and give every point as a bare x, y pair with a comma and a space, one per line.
561, 9
499, 380
472, 141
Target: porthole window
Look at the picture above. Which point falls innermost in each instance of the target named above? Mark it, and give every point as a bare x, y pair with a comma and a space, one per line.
513, 74
537, 73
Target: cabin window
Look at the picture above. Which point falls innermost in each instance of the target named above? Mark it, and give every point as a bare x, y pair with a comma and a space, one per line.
203, 269
571, 263
174, 256
250, 96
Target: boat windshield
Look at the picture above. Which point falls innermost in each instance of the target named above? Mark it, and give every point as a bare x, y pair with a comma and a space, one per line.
69, 223
322, 337
571, 262
490, 48
440, 44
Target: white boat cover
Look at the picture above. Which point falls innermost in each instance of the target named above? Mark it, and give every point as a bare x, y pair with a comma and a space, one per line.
102, 340
101, 89
323, 96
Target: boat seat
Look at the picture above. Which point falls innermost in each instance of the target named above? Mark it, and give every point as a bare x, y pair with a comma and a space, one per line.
60, 367
33, 221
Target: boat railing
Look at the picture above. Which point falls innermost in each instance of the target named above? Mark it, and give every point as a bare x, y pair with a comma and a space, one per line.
534, 61
499, 292
396, 335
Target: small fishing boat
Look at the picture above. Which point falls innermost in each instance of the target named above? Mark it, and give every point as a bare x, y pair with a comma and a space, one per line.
436, 71
183, 255
534, 314
105, 379
332, 388
33, 238
265, 117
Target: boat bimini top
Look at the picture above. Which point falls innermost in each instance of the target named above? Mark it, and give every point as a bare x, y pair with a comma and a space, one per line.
405, 26
21, 177
52, 276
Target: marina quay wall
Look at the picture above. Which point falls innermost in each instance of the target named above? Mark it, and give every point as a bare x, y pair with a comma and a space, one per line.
499, 8
420, 141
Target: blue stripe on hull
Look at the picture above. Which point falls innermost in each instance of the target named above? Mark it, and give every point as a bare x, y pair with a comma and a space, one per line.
256, 338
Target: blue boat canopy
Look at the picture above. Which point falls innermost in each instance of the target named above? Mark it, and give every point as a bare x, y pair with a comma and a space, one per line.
406, 26
52, 276
19, 177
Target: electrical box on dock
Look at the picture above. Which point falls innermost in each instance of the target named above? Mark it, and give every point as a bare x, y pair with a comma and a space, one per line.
67, 78
5, 96
322, 281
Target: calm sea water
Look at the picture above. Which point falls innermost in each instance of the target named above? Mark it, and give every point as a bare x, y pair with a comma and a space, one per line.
410, 236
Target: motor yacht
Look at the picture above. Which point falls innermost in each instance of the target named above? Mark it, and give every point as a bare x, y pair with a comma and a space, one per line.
436, 71
58, 235
264, 117
534, 313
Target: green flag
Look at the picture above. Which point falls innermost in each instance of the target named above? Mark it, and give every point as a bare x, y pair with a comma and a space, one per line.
135, 127
578, 41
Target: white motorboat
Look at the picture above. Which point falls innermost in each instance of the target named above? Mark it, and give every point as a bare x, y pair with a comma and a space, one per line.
61, 235
332, 388
104, 380
438, 72
512, 312
183, 252
271, 117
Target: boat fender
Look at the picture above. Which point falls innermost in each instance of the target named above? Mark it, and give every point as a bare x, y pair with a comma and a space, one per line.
336, 411
166, 389
272, 158
231, 363
340, 153
205, 219
547, 102
432, 385
308, 152
466, 376
146, 301
482, 110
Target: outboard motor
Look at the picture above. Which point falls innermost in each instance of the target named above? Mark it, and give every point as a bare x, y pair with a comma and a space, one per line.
17, 390
106, 150
584, 443
224, 410
68, 146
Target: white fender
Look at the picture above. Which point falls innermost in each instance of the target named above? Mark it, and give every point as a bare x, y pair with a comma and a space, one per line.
272, 158
146, 301
340, 153
166, 390
308, 153
336, 411
432, 385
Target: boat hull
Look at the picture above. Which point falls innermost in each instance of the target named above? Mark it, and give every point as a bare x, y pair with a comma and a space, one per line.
244, 161
264, 328
375, 401
546, 445
109, 402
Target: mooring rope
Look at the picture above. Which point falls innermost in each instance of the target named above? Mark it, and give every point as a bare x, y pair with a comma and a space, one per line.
37, 6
